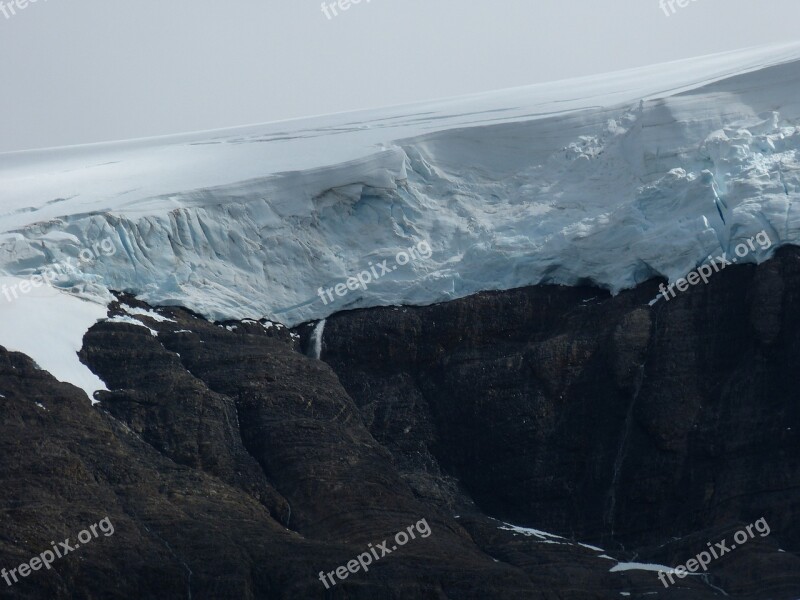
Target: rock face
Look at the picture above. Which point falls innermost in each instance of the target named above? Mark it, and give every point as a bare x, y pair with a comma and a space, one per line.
603, 419
233, 465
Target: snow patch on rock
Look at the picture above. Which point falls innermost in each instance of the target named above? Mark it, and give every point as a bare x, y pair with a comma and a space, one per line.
48, 325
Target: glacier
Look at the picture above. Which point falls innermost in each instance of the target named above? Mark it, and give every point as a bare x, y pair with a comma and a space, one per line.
607, 180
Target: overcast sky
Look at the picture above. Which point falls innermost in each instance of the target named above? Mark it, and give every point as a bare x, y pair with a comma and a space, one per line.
78, 71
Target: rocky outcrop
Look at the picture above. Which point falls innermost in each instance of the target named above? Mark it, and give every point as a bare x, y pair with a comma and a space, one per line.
605, 419
233, 465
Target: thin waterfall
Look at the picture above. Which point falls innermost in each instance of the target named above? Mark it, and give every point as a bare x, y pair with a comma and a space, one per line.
315, 345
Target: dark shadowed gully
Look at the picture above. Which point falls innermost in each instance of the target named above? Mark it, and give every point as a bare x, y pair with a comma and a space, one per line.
233, 466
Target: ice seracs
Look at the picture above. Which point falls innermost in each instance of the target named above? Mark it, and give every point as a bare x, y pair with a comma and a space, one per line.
609, 180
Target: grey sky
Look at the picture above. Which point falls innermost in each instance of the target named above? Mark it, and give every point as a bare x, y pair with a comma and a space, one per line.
78, 71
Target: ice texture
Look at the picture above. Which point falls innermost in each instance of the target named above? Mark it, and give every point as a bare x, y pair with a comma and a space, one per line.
609, 180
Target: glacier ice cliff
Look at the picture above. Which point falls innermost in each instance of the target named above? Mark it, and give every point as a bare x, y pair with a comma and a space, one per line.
608, 180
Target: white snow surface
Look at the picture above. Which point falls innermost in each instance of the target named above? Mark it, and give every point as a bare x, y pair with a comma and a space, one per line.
634, 566
131, 321
151, 314
528, 532
609, 179
48, 325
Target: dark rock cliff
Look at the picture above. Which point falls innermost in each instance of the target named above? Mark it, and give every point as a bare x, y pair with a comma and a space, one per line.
232, 465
